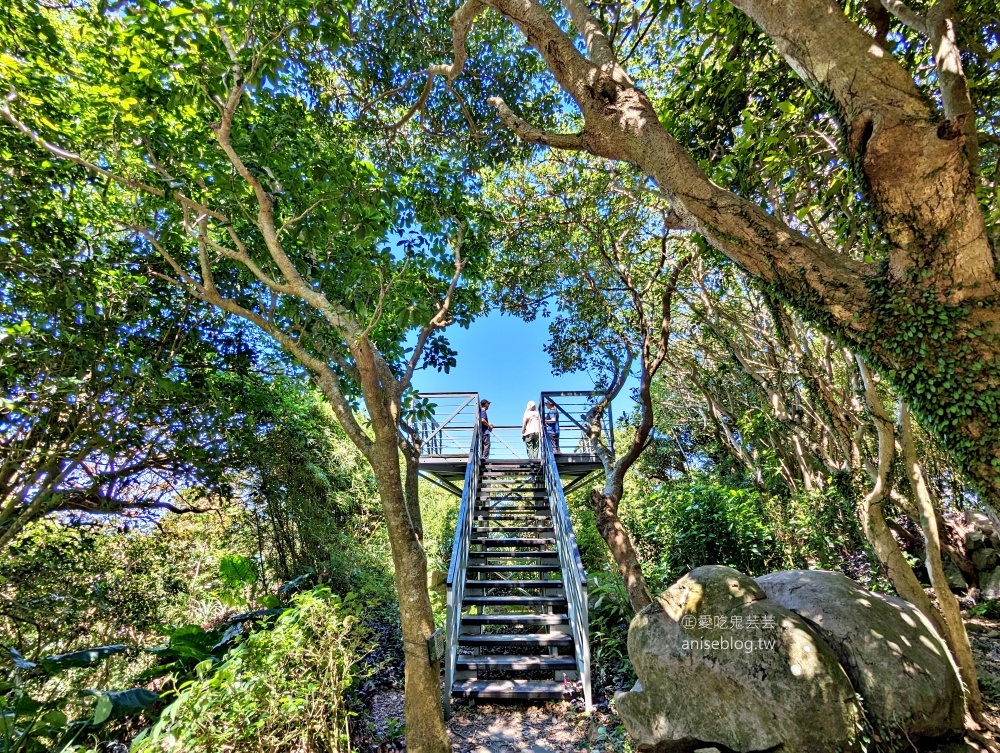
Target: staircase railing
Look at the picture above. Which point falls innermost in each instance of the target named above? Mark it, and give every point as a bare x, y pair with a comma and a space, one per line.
456, 571
573, 573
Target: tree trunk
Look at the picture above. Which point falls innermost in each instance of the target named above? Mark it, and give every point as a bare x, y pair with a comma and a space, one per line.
411, 455
618, 541
423, 710
897, 569
870, 510
425, 730
954, 629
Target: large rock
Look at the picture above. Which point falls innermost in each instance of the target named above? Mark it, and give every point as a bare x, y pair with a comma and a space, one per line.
984, 559
952, 574
897, 661
974, 540
720, 664
989, 585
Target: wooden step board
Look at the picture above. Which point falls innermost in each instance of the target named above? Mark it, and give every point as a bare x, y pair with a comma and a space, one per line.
494, 509
541, 690
486, 541
535, 554
512, 529
482, 569
486, 583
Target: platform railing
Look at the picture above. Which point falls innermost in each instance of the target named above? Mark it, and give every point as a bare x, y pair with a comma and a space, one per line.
455, 585
581, 426
574, 575
448, 431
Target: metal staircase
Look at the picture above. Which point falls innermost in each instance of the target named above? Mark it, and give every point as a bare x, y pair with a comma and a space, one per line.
516, 588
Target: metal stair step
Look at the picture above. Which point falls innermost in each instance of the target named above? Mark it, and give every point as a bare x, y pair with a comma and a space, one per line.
515, 619
520, 639
549, 554
510, 529
514, 601
536, 491
483, 541
513, 584
512, 689
512, 568
512, 516
528, 474
515, 663
522, 508
524, 477
521, 491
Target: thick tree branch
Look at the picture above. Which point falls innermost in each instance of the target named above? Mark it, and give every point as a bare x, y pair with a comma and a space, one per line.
918, 172
598, 44
532, 135
909, 17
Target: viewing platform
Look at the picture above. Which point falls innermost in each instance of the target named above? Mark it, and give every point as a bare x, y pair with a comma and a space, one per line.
446, 436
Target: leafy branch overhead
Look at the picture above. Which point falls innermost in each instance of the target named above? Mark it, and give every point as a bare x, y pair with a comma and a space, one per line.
930, 247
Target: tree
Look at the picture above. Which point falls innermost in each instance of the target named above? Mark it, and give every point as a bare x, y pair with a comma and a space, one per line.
214, 129
606, 260
911, 282
109, 402
809, 417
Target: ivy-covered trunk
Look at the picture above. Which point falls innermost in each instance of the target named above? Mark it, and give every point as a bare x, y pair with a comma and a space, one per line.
926, 316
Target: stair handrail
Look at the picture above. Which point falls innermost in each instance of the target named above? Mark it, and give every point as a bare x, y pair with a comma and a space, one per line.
455, 584
574, 575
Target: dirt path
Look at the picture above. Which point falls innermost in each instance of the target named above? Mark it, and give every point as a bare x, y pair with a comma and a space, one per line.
549, 728
546, 728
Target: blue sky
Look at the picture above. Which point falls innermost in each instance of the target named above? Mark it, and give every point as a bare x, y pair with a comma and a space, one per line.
501, 357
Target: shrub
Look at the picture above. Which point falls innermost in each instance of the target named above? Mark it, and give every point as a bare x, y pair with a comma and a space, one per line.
818, 529
279, 690
610, 614
700, 521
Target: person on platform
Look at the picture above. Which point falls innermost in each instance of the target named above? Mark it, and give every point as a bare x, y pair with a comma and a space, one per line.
531, 428
485, 427
552, 424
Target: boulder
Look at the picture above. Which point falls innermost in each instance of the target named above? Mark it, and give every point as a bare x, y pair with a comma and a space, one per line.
894, 656
976, 519
989, 585
974, 540
984, 559
720, 664
954, 575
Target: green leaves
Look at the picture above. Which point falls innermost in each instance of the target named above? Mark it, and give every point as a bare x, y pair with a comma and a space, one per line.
116, 704
237, 570
84, 658
53, 665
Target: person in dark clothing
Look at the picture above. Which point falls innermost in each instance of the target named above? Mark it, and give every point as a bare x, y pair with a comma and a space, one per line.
485, 428
552, 424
